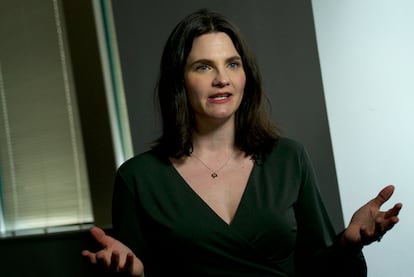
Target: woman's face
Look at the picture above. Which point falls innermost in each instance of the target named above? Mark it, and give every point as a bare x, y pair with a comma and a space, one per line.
214, 77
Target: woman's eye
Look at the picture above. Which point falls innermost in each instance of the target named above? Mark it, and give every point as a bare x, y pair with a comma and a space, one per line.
202, 67
234, 65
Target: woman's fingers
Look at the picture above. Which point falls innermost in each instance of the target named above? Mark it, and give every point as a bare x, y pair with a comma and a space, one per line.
89, 255
394, 211
99, 235
384, 195
129, 263
115, 256
102, 259
114, 266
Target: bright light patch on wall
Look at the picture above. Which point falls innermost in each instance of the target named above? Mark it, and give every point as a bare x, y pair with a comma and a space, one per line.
367, 62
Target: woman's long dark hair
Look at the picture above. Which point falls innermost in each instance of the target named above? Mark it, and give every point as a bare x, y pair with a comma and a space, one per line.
255, 133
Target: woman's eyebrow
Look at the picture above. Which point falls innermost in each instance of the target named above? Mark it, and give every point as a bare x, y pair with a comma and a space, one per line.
209, 61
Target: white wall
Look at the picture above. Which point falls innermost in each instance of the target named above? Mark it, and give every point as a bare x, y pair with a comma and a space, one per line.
366, 51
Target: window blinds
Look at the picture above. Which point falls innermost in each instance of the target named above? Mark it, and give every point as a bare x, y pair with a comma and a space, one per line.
43, 174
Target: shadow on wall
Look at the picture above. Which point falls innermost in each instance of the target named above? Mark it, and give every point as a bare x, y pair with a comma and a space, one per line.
48, 255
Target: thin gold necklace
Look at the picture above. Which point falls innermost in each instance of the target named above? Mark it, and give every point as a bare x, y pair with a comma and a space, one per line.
213, 172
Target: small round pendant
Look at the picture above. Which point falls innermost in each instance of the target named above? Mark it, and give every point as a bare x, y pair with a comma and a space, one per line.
214, 175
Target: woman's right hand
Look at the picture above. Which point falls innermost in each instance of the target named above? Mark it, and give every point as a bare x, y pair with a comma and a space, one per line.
114, 255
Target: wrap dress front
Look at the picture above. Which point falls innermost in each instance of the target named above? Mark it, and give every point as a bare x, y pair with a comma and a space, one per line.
280, 228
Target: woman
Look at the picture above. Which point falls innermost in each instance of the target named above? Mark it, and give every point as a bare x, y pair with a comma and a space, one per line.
221, 193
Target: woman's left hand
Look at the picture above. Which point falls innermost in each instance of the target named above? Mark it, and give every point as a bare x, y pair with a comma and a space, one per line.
368, 223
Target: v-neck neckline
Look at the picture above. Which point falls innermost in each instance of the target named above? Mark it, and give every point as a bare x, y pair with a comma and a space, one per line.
204, 204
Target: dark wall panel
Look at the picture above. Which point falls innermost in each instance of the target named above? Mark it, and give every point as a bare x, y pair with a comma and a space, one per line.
48, 255
281, 34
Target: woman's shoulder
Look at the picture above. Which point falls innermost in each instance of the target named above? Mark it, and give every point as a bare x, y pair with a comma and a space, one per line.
287, 144
142, 161
284, 149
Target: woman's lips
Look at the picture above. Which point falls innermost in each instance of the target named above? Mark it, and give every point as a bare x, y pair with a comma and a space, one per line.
220, 98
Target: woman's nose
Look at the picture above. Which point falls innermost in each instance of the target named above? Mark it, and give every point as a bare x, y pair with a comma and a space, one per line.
221, 79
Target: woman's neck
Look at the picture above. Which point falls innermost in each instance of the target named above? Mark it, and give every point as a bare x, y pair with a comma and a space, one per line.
216, 138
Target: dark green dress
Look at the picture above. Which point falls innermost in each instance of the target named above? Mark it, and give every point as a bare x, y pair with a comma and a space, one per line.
280, 228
